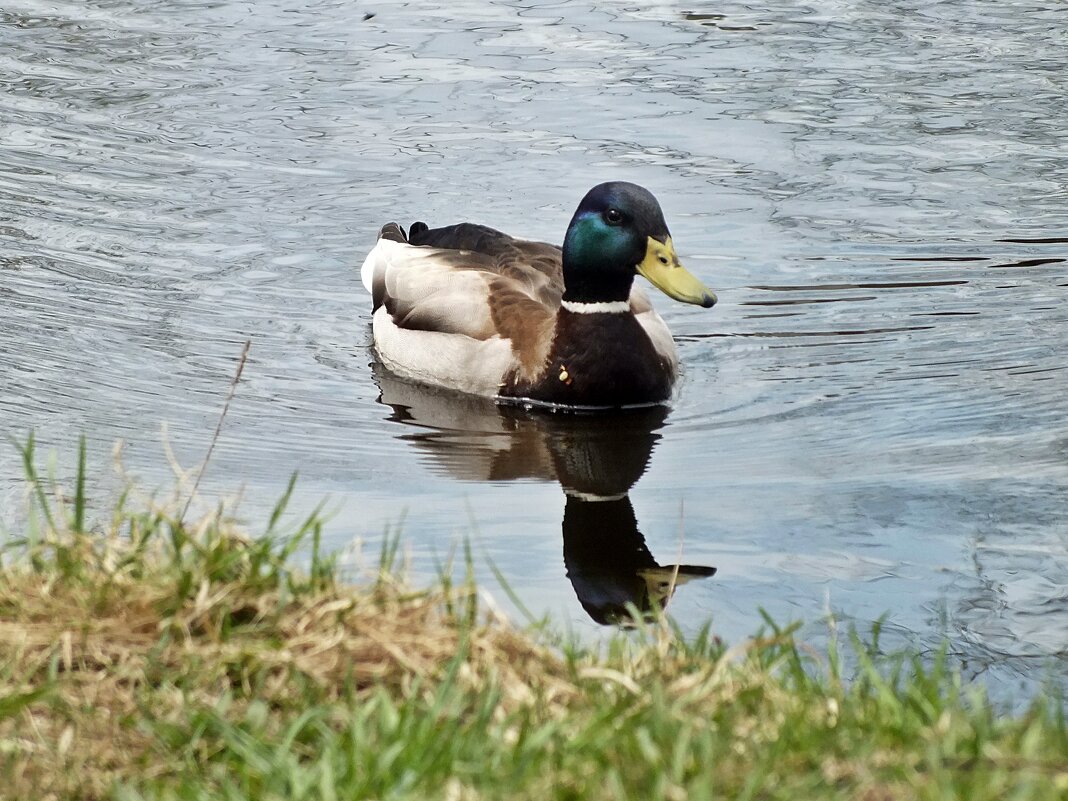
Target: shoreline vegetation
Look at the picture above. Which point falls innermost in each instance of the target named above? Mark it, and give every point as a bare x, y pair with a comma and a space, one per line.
146, 655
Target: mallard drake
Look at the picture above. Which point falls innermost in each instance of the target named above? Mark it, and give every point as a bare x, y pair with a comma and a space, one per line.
475, 310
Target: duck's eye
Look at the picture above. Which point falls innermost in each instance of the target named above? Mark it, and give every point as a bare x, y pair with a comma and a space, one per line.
613, 216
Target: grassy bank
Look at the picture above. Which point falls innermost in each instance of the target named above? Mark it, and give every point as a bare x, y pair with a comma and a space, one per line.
154, 658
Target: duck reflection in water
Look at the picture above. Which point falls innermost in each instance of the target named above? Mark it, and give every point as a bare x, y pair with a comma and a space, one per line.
595, 458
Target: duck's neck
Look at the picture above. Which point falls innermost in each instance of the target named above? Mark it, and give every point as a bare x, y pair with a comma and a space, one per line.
594, 263
593, 287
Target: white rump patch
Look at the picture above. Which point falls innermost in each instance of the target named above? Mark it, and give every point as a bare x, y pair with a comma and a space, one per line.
377, 254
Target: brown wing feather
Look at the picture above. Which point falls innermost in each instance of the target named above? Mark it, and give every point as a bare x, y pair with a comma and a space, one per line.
536, 266
474, 281
524, 284
527, 322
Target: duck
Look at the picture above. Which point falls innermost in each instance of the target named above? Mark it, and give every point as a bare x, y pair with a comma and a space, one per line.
474, 310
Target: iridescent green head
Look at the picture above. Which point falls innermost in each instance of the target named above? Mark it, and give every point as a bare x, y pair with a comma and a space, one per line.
618, 231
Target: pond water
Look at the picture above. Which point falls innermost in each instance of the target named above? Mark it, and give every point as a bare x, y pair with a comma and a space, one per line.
873, 421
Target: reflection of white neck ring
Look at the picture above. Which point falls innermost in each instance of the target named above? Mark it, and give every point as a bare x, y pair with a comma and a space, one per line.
589, 496
609, 307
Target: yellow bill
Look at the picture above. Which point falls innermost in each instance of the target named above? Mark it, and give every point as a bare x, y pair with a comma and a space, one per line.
662, 269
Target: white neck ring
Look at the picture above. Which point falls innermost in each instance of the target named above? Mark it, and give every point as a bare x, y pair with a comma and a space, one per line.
609, 307
592, 497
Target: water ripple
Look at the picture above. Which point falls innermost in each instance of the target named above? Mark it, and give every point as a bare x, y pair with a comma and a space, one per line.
872, 418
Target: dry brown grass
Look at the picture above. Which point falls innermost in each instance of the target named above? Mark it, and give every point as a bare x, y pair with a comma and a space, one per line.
121, 637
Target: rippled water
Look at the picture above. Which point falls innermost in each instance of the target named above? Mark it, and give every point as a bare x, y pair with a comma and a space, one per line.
872, 421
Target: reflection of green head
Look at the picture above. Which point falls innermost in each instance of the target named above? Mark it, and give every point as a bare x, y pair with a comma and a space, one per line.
619, 230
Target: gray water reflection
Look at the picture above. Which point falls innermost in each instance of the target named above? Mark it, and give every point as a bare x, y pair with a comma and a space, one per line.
596, 459
873, 420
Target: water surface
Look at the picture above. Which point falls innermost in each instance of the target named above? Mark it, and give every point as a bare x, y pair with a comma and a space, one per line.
873, 421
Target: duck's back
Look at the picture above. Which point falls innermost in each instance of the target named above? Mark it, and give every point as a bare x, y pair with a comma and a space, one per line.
462, 306
537, 266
